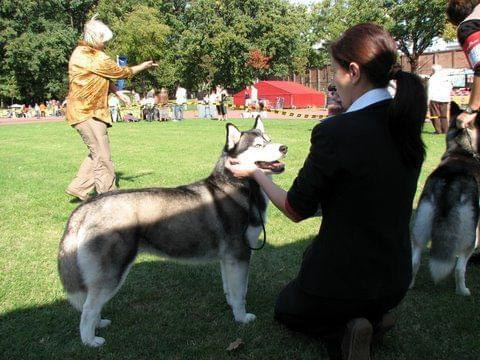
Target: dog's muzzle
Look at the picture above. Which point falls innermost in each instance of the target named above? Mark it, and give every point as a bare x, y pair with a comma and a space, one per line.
274, 166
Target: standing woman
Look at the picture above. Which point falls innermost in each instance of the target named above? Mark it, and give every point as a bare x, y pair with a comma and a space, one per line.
362, 170
90, 72
221, 103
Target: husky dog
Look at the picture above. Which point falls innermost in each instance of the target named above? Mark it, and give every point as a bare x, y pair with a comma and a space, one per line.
448, 210
218, 218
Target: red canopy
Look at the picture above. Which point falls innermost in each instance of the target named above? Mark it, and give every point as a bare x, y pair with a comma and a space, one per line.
293, 94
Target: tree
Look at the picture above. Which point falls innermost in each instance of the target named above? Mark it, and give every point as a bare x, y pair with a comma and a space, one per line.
450, 32
36, 40
332, 17
141, 35
417, 23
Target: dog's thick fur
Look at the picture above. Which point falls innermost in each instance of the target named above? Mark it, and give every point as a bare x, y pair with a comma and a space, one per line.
217, 218
448, 210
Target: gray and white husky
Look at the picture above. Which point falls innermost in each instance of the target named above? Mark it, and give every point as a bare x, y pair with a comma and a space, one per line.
215, 219
448, 210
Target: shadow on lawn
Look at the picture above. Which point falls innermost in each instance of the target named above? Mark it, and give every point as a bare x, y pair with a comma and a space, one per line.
120, 176
171, 310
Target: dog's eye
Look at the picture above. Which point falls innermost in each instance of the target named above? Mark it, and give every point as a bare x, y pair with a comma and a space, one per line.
258, 145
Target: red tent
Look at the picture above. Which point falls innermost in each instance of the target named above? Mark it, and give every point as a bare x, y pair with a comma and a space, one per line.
293, 94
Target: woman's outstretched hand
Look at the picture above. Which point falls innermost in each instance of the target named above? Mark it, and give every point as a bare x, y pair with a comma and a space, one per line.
149, 64
240, 170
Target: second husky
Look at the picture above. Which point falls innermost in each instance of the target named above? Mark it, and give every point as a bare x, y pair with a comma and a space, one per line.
218, 218
448, 210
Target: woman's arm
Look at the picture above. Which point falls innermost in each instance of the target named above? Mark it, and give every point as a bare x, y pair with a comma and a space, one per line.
276, 194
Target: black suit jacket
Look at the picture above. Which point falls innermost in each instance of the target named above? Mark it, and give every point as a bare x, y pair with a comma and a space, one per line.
356, 173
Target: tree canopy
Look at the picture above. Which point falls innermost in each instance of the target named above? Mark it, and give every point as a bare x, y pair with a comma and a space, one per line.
196, 42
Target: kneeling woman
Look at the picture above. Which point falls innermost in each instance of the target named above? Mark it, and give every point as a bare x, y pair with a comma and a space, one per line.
362, 170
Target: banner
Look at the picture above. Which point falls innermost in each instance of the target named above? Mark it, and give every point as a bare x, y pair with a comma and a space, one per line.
121, 61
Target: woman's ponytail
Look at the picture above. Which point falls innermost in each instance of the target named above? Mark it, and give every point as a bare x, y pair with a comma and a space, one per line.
407, 116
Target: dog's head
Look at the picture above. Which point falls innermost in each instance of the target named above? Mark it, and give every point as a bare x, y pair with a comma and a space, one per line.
255, 147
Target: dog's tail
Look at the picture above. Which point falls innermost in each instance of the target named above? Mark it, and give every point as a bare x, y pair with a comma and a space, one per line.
70, 272
454, 224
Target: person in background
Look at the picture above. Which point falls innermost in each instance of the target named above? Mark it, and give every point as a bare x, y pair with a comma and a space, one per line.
37, 111
221, 103
90, 71
465, 14
161, 99
180, 102
200, 105
212, 101
334, 103
206, 102
43, 108
439, 91
114, 105
359, 266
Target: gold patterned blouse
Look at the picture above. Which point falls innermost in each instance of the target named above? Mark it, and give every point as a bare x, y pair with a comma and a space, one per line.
89, 72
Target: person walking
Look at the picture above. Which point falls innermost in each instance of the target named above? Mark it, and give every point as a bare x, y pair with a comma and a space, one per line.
90, 72
439, 91
362, 171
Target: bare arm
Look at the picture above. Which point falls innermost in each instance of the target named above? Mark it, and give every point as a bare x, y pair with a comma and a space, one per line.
143, 66
277, 195
464, 120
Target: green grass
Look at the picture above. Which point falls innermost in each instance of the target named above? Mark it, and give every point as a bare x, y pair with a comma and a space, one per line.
170, 311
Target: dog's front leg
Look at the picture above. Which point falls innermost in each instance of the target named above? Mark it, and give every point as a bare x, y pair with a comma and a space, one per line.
237, 278
477, 242
225, 281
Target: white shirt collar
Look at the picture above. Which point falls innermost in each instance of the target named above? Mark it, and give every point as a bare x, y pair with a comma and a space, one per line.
370, 97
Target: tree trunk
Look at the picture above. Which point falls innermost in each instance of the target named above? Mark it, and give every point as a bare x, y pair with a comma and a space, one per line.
413, 63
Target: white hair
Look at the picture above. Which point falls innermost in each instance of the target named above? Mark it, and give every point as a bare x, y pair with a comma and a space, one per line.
96, 32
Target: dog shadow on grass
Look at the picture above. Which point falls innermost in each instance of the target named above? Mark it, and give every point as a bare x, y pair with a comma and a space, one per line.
175, 311
121, 177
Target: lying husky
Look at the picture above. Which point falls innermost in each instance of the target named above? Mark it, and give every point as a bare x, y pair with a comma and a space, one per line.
448, 210
218, 218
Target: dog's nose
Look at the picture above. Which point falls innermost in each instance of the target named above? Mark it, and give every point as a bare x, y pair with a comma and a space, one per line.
283, 149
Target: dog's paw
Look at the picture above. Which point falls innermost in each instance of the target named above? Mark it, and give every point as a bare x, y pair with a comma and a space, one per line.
96, 342
247, 318
103, 323
463, 292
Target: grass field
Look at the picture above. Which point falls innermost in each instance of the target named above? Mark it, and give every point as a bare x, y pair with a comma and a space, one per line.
170, 311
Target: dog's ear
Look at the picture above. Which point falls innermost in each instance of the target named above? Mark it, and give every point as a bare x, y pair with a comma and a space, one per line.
454, 110
259, 124
233, 136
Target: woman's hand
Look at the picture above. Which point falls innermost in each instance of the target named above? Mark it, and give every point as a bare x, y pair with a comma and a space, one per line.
465, 120
240, 170
149, 64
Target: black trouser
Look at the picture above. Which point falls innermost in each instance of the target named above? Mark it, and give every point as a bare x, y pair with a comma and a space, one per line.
326, 317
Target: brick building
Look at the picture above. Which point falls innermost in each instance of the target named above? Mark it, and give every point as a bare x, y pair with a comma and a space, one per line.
455, 58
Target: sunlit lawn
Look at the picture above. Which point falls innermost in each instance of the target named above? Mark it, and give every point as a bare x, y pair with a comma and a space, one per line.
167, 310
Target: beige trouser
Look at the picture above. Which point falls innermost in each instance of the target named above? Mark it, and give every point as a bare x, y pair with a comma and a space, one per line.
97, 169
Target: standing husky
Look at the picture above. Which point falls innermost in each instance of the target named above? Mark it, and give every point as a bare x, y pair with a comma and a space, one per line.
448, 210
218, 218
